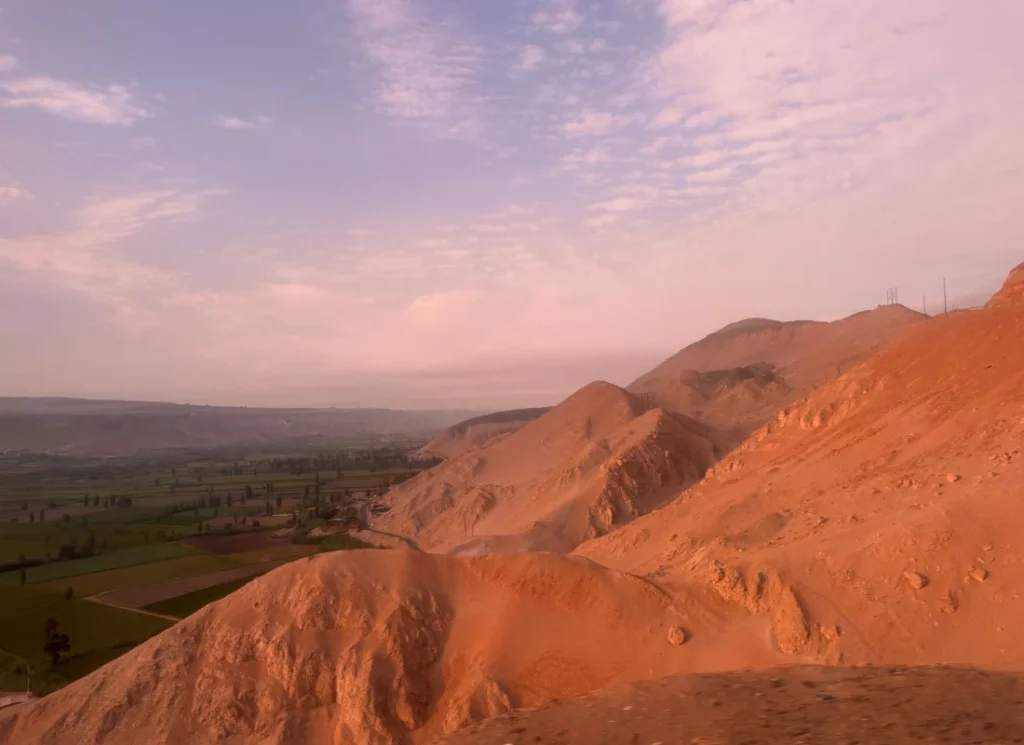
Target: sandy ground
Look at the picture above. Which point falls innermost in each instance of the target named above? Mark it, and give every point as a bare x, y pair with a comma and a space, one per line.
806, 706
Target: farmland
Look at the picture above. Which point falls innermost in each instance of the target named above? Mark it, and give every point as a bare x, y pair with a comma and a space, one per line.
91, 543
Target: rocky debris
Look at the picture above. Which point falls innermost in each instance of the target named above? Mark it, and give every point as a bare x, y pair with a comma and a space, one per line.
677, 636
978, 574
476, 703
952, 478
765, 592
916, 580
831, 633
951, 603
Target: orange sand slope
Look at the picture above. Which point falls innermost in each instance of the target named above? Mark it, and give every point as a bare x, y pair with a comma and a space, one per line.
595, 461
741, 376
371, 647
473, 433
888, 500
896, 706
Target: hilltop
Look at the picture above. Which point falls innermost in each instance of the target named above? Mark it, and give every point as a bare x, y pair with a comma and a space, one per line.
886, 501
595, 461
476, 431
739, 377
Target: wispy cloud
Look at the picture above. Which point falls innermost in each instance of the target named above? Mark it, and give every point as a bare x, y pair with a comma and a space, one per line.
596, 123
561, 18
113, 104
11, 194
235, 123
425, 68
8, 63
621, 204
531, 58
86, 258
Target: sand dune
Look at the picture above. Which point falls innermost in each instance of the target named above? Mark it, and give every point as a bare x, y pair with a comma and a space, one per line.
594, 462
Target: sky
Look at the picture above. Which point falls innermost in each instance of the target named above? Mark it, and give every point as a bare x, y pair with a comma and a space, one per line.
481, 204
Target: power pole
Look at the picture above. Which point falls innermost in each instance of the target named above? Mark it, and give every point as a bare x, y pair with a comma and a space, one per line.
945, 300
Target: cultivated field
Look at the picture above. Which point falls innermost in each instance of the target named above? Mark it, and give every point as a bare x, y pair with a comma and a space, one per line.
99, 546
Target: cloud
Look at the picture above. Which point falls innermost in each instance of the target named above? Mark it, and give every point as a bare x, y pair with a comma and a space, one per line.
713, 175
558, 21
361, 232
622, 204
113, 104
596, 123
11, 194
426, 70
87, 258
603, 221
235, 123
8, 63
668, 117
531, 57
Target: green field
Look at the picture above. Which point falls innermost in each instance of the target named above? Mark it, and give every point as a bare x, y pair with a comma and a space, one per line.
141, 575
97, 632
129, 557
99, 525
185, 605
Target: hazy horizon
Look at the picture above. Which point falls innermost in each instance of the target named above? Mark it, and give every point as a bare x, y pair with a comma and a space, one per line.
451, 204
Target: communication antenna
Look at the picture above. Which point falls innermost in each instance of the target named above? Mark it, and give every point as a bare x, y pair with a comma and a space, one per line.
945, 301
892, 296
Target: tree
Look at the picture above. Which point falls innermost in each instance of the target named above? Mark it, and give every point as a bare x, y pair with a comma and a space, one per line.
248, 493
95, 500
24, 506
66, 518
69, 593
231, 500
55, 642
31, 517
85, 502
269, 508
278, 501
24, 576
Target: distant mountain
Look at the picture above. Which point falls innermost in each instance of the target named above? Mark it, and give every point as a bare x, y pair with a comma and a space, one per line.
739, 377
476, 431
89, 428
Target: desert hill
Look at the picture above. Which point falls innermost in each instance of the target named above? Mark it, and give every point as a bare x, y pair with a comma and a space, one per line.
595, 461
385, 647
88, 428
888, 500
739, 377
475, 432
876, 520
